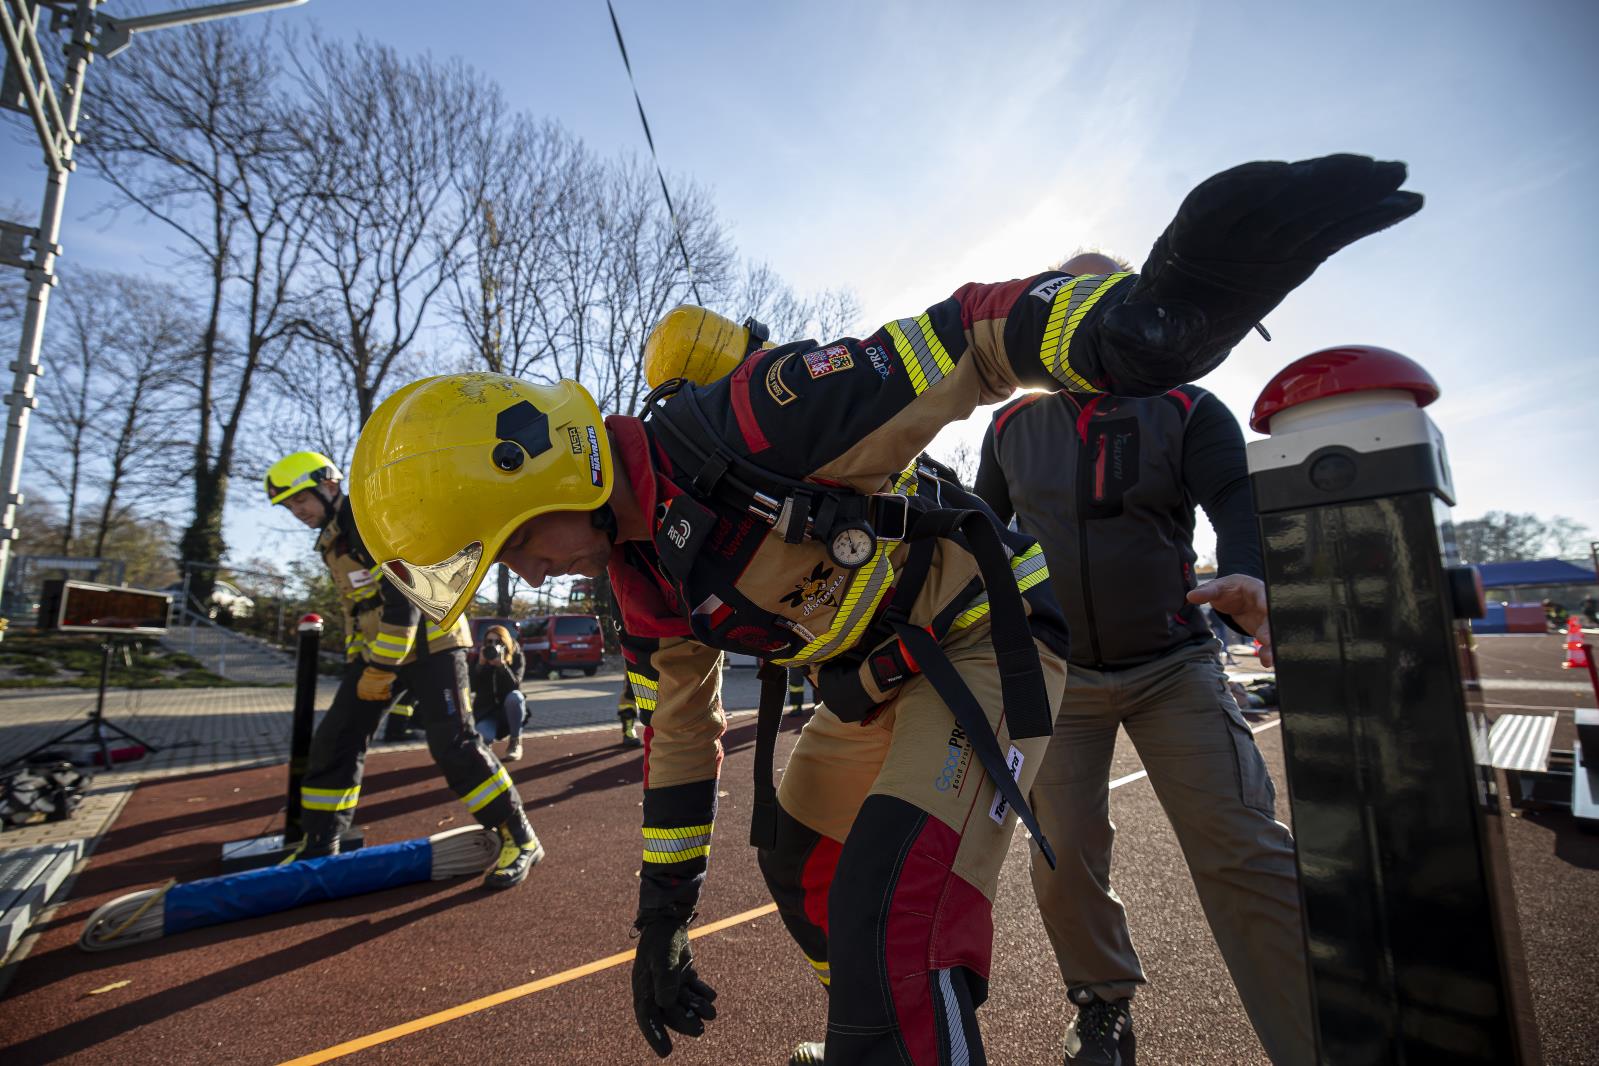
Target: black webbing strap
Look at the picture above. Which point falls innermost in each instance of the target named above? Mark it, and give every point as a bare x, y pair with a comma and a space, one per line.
947, 682
1021, 677
768, 722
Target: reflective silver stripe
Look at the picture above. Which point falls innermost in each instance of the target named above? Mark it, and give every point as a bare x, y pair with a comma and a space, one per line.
959, 1053
677, 844
860, 602
487, 792
644, 691
329, 799
926, 361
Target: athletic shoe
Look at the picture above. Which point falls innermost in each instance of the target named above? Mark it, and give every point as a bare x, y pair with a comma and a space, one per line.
807, 1054
516, 858
513, 750
1102, 1035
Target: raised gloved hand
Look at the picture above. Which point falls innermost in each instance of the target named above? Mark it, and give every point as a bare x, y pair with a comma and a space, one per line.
667, 993
375, 683
1241, 241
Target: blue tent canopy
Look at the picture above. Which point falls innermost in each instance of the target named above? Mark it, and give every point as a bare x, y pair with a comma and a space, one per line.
1534, 572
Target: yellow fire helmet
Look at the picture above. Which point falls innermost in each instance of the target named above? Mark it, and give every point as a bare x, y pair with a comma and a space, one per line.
301, 470
449, 467
697, 344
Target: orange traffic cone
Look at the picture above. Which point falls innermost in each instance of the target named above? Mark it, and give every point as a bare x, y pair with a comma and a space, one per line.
1576, 650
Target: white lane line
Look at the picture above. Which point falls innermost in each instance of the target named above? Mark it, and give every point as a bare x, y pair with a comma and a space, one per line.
1130, 778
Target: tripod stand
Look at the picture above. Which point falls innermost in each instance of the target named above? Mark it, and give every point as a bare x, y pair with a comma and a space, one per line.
96, 724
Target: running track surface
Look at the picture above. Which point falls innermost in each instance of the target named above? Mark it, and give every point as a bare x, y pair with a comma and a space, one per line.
450, 973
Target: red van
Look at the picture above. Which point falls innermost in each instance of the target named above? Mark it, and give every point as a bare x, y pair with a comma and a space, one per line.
555, 642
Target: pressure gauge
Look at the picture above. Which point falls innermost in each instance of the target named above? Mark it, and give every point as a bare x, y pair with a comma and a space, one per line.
852, 546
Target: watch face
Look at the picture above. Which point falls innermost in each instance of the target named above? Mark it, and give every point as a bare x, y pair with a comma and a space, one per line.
852, 547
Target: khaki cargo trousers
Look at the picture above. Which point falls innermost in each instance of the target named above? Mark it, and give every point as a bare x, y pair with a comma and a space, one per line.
1209, 776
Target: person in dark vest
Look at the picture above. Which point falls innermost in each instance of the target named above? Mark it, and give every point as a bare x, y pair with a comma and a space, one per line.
1108, 486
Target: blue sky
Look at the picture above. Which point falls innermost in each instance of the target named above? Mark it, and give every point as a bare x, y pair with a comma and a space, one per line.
902, 149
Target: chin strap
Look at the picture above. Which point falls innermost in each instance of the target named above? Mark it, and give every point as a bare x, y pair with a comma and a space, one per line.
603, 518
330, 508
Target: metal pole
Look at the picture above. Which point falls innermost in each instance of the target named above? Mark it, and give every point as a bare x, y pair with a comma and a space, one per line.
41, 278
305, 672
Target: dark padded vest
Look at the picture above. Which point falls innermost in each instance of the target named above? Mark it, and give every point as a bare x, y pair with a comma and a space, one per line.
1099, 482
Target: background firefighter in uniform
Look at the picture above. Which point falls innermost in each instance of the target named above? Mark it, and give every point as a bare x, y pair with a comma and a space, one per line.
1108, 486
388, 658
888, 837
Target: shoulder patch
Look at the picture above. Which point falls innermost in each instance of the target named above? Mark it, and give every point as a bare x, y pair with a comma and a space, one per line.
1046, 290
823, 361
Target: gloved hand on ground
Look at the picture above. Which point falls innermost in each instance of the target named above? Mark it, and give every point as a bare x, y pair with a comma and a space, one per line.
1241, 241
667, 993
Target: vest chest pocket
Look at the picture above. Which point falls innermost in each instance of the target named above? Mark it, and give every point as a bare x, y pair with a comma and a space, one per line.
1107, 466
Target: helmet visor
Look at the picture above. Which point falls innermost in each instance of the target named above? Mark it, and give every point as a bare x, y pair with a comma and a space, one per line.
437, 588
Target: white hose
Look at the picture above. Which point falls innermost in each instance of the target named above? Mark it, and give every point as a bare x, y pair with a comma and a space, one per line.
140, 916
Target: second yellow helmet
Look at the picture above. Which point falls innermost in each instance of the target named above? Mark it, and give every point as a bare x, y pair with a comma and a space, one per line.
697, 344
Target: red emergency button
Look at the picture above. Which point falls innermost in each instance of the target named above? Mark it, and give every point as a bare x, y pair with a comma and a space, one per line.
1335, 371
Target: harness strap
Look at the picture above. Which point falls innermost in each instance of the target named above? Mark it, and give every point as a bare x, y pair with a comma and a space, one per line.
1021, 676
768, 723
947, 682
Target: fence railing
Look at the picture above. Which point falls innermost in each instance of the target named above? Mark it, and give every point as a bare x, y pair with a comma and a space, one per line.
227, 653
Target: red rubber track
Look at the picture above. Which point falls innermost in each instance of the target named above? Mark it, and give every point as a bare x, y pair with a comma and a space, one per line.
272, 989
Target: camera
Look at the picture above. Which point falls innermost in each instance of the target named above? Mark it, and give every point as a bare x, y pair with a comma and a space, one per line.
492, 650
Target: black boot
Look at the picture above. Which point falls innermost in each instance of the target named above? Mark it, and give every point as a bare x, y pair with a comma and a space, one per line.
630, 737
312, 847
520, 851
1102, 1034
807, 1054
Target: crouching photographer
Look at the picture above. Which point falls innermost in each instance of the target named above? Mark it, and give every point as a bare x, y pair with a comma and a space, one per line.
498, 705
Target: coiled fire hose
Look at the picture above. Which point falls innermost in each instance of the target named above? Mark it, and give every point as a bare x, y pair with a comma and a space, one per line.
173, 908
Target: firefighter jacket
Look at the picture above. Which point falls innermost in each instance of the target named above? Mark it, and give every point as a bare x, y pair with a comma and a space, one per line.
852, 415
380, 624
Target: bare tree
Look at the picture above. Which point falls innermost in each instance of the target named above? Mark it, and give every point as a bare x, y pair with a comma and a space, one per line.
382, 147
107, 408
1500, 536
68, 399
145, 398
190, 129
496, 291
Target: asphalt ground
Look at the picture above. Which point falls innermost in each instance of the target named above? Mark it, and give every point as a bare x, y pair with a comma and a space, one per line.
447, 972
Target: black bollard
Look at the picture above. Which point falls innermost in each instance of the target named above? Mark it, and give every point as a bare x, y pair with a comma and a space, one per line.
1410, 918
306, 659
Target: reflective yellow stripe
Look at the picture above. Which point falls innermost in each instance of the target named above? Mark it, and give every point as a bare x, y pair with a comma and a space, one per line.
401, 710
971, 614
329, 799
390, 647
1072, 302
487, 792
906, 481
644, 691
677, 844
926, 361
860, 604
1029, 568
824, 973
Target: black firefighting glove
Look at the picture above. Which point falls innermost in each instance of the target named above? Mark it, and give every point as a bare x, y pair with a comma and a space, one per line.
667, 993
1241, 242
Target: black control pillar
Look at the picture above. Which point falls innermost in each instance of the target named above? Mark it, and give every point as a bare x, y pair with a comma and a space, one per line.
1410, 917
